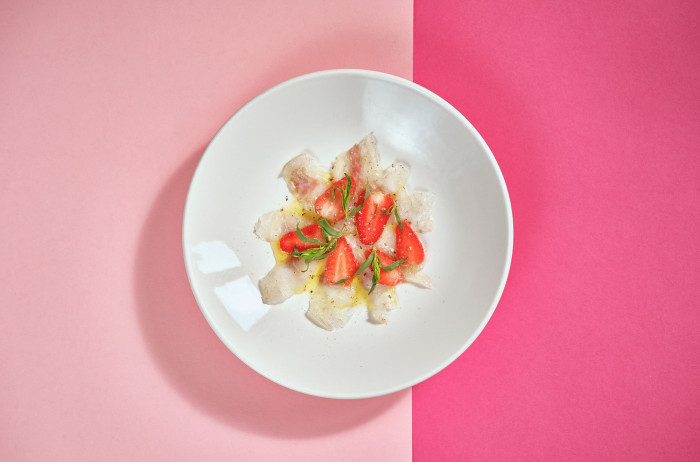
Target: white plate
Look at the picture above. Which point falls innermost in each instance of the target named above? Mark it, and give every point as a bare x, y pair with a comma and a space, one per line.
468, 253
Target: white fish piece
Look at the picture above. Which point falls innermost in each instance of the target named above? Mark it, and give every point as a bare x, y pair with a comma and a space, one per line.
381, 301
347, 224
305, 178
393, 178
417, 208
366, 278
279, 284
360, 161
299, 265
358, 249
387, 241
414, 275
275, 224
285, 280
329, 306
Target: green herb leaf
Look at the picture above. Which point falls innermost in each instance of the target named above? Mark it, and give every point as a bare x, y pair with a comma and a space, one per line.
349, 185
395, 211
303, 238
375, 271
316, 253
390, 211
359, 207
328, 230
345, 194
398, 219
365, 264
394, 265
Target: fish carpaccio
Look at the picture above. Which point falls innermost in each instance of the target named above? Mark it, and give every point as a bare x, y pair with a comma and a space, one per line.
347, 236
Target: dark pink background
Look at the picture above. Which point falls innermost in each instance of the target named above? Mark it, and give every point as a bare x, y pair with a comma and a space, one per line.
592, 111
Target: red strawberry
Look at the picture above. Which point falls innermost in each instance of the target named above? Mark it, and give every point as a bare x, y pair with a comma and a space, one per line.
290, 240
408, 245
372, 217
388, 278
340, 263
332, 210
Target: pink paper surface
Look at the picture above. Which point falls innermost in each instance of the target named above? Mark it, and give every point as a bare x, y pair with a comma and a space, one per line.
105, 109
591, 109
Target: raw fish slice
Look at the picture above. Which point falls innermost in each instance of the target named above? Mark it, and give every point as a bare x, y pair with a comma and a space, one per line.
273, 225
348, 225
358, 249
298, 264
387, 241
329, 307
413, 274
360, 161
416, 208
306, 179
279, 284
283, 281
381, 301
393, 178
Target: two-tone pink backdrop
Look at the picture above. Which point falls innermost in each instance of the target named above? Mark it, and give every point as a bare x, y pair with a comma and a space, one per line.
591, 109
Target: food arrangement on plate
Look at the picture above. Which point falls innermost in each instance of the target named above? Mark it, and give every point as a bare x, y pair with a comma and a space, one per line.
347, 236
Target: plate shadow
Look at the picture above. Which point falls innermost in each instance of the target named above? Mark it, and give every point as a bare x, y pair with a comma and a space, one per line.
196, 363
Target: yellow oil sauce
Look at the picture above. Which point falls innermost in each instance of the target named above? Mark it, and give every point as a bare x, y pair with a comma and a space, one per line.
311, 285
361, 295
292, 206
280, 257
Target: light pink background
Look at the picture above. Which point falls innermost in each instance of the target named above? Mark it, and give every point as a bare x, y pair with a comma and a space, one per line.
105, 108
592, 110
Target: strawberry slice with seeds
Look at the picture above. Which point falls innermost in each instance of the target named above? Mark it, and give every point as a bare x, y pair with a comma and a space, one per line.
387, 278
290, 241
408, 245
332, 209
341, 264
372, 217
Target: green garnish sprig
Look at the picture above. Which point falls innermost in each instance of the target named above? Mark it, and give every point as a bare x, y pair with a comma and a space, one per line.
330, 235
345, 194
395, 211
373, 261
329, 232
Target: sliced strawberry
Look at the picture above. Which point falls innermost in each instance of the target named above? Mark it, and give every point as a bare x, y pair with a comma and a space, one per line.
332, 210
290, 240
340, 263
387, 278
372, 217
408, 245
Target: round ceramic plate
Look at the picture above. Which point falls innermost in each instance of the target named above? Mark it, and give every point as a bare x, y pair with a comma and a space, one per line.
468, 252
